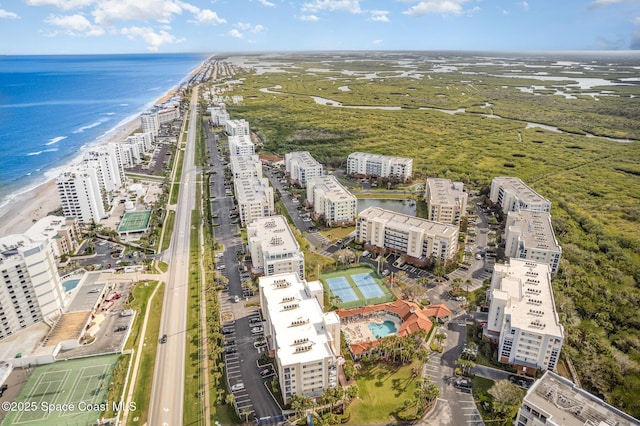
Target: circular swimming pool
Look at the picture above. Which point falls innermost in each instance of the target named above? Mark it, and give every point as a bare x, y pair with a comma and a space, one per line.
381, 330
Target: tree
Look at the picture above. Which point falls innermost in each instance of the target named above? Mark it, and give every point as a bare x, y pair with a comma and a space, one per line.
506, 395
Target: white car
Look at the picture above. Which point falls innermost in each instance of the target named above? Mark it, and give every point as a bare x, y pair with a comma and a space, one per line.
257, 330
237, 387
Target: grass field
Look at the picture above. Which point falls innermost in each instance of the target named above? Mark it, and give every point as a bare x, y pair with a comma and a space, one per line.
348, 277
65, 392
383, 389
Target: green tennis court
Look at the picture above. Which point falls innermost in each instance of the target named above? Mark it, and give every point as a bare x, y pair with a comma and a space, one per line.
135, 222
65, 393
355, 287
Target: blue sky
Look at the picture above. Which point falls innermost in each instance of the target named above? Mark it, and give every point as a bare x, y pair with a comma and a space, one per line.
132, 26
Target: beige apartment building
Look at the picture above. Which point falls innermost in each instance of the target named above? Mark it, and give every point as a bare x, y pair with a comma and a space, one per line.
446, 200
420, 240
273, 247
529, 235
331, 201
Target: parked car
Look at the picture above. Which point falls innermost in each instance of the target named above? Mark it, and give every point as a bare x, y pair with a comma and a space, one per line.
257, 330
230, 350
121, 328
237, 387
163, 339
226, 330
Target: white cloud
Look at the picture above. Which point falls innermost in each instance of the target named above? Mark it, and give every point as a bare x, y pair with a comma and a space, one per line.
235, 33
8, 15
243, 25
266, 3
153, 39
603, 3
207, 16
524, 5
75, 25
351, 6
379, 15
376, 42
109, 11
62, 4
437, 6
258, 29
309, 18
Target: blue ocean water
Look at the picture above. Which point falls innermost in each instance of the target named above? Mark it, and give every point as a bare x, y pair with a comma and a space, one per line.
51, 107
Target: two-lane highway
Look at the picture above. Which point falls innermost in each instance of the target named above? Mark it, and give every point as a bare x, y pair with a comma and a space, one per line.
168, 382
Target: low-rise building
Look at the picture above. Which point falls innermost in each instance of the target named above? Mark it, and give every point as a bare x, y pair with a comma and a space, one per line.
522, 316
512, 194
301, 167
556, 401
446, 200
331, 201
529, 235
420, 240
273, 247
219, 115
61, 233
241, 145
375, 165
31, 290
254, 197
305, 340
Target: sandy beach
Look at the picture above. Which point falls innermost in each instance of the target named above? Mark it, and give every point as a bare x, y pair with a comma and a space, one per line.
33, 205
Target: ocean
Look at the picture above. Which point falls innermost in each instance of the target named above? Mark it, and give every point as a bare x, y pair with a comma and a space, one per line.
53, 107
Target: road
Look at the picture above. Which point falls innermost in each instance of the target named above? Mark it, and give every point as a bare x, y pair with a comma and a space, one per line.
168, 382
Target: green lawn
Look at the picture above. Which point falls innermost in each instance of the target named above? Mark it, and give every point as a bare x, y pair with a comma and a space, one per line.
383, 389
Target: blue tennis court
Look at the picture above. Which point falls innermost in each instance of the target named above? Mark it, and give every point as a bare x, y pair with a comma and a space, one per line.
367, 285
341, 288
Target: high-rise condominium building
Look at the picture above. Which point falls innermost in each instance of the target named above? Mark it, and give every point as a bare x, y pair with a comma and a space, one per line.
80, 195
522, 316
529, 235
241, 145
255, 198
419, 239
237, 127
331, 200
512, 194
365, 164
301, 167
30, 290
304, 338
446, 201
273, 247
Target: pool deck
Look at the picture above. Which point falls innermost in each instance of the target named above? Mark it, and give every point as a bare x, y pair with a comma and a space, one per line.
356, 331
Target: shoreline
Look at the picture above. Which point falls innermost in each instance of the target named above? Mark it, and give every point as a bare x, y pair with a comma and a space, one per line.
27, 207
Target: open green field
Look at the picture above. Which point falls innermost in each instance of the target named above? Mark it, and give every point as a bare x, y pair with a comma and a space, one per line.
65, 392
493, 128
383, 389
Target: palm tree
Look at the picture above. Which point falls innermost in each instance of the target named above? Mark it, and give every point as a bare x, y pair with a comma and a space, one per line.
245, 412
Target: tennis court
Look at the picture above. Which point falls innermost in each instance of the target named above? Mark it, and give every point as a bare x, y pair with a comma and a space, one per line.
341, 288
355, 287
66, 392
367, 285
135, 222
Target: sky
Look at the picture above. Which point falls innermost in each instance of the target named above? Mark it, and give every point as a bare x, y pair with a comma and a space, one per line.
137, 26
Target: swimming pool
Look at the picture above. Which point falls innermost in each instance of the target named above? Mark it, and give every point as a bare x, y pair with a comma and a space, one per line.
381, 330
70, 285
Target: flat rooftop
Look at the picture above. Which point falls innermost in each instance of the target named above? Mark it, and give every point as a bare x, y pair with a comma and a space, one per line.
517, 187
297, 320
535, 228
251, 189
380, 157
333, 190
527, 286
568, 405
273, 234
87, 293
402, 221
443, 192
303, 158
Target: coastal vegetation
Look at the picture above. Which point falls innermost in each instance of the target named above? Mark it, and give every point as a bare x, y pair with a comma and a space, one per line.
494, 128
